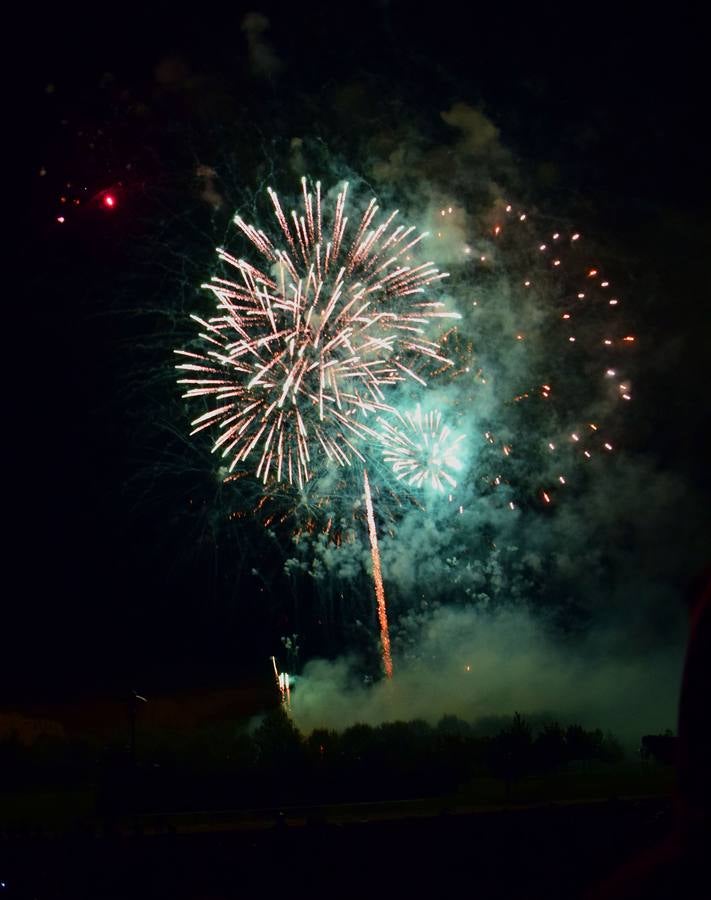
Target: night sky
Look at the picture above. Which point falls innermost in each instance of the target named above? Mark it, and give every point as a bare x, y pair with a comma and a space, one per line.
602, 115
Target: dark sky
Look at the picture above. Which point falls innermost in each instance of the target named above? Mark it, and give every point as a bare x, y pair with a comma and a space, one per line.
612, 98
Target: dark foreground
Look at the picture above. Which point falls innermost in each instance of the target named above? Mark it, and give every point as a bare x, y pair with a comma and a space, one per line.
545, 851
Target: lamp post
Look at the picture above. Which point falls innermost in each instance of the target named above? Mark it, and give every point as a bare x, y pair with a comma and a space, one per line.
133, 702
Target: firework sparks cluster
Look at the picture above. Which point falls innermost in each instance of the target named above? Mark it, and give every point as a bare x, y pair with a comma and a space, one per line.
581, 296
300, 351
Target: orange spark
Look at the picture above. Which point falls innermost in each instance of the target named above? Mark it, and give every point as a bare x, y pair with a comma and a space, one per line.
378, 580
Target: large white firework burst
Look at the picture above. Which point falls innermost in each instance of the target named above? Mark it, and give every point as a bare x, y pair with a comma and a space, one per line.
299, 350
422, 450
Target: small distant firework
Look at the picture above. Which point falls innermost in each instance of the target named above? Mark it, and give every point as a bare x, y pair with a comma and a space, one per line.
423, 450
298, 355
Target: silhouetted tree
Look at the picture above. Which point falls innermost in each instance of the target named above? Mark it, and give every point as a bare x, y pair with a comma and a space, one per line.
278, 741
357, 742
511, 752
453, 726
612, 749
581, 745
550, 748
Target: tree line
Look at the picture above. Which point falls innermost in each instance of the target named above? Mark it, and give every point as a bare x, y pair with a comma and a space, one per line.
274, 763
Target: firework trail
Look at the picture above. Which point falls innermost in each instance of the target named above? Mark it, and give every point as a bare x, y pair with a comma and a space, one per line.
424, 451
378, 580
296, 358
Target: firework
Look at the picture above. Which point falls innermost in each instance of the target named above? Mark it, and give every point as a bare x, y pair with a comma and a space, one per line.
283, 683
299, 351
423, 451
378, 580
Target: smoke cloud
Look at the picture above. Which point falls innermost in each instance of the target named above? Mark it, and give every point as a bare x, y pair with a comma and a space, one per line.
263, 61
477, 664
500, 601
